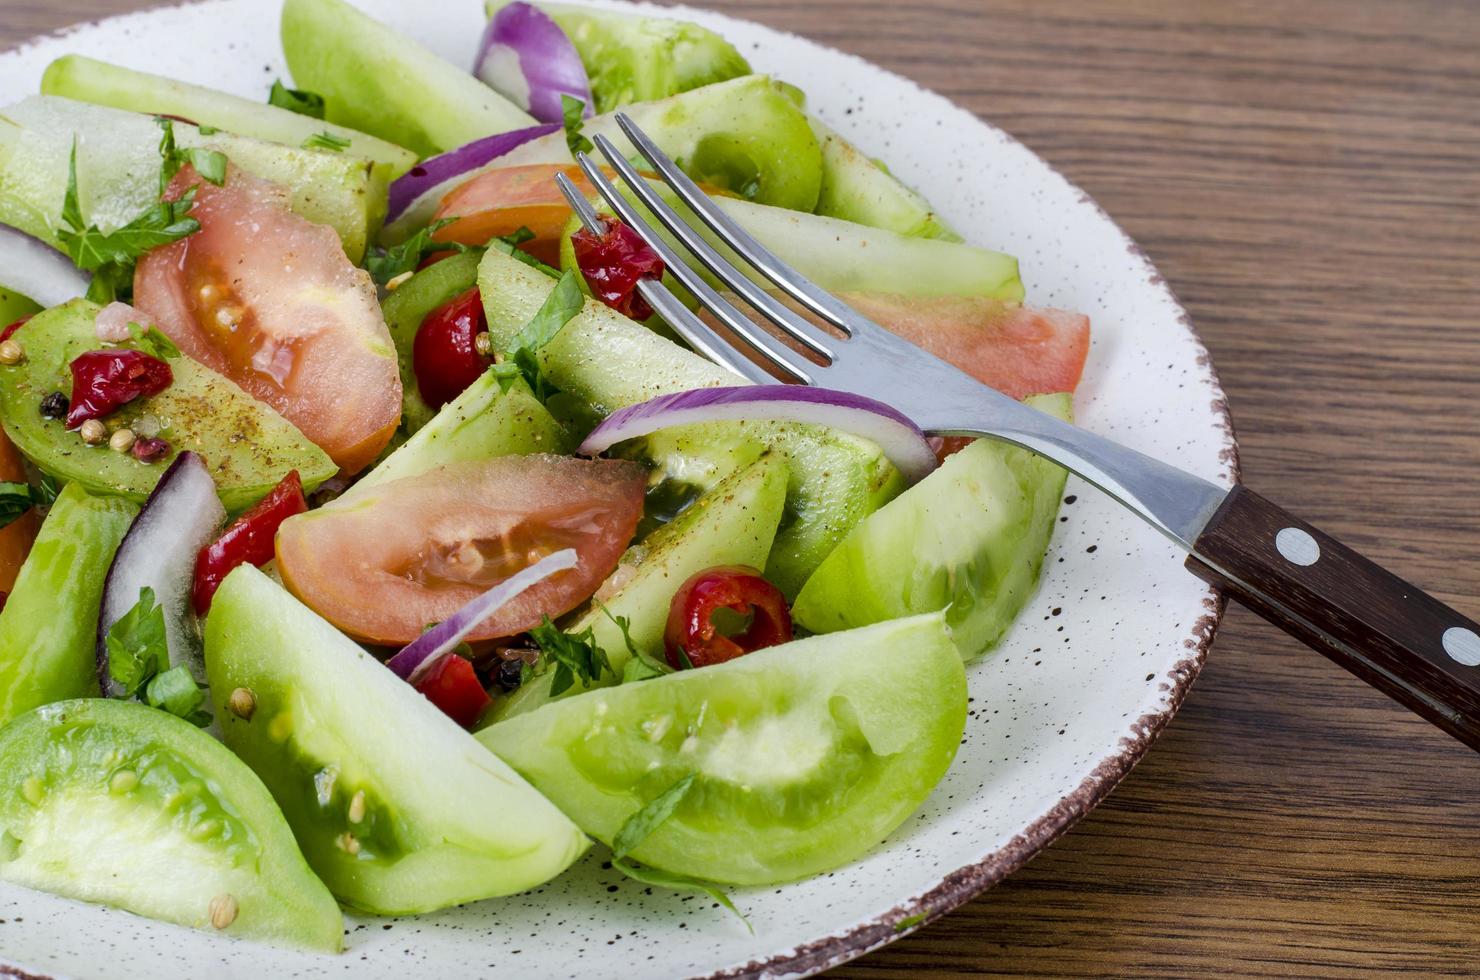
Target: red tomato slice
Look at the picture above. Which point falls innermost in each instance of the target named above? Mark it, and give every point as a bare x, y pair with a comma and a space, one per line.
385, 563
16, 537
501, 201
1019, 350
272, 302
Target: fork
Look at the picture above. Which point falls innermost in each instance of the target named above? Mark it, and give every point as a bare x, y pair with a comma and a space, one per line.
1396, 637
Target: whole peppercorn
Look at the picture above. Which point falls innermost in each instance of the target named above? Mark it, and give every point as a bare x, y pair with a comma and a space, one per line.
54, 406
508, 675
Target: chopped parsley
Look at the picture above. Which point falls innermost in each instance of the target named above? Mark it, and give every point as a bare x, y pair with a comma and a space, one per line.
576, 656
522, 357
386, 264
152, 341
326, 141
139, 662
45, 491
572, 113
296, 100
639, 666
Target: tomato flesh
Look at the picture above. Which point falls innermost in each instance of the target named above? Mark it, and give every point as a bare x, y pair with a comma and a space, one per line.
501, 201
692, 632
248, 539
613, 263
452, 685
270, 300
387, 561
104, 381
444, 357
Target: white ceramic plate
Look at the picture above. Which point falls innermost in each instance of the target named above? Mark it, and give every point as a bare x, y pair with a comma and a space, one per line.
1092, 671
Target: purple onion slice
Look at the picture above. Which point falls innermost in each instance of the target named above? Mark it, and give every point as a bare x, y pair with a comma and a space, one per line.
900, 439
528, 59
420, 654
38, 271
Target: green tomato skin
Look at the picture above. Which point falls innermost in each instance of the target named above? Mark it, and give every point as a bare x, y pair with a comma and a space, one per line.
118, 171
123, 804
48, 629
397, 809
385, 84
855, 188
13, 306
605, 361
631, 58
807, 754
247, 446
407, 306
733, 524
85, 79
969, 539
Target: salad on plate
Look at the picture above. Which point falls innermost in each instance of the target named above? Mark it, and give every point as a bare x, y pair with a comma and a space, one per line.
368, 543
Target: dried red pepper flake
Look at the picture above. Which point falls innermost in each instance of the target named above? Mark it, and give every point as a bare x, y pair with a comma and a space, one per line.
614, 262
9, 331
103, 381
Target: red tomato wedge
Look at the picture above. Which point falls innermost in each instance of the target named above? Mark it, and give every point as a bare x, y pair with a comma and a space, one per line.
272, 302
16, 537
501, 201
385, 563
1019, 350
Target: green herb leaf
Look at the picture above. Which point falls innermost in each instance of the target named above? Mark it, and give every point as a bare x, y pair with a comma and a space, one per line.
46, 490
559, 308
326, 141
15, 500
296, 100
71, 208
210, 164
640, 826
639, 666
137, 649
386, 264
572, 113
909, 921
151, 341
508, 244
683, 883
683, 658
175, 691
575, 656
207, 130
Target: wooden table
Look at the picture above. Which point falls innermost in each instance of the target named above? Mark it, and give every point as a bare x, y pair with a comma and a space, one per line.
1307, 176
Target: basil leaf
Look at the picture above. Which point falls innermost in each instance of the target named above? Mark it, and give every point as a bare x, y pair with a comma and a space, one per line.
683, 883
326, 141
136, 644
296, 100
559, 308
175, 691
575, 656
572, 116
15, 500
385, 264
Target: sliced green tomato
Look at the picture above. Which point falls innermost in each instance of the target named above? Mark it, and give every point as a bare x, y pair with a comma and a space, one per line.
733, 524
118, 803
969, 539
632, 58
118, 170
858, 189
246, 445
13, 306
48, 629
843, 256
76, 76
483, 422
381, 82
745, 136
605, 361
397, 809
807, 754
407, 305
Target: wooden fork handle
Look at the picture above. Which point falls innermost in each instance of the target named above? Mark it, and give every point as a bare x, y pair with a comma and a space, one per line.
1397, 638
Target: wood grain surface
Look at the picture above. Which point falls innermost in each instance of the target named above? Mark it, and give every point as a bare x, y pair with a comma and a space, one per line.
1307, 177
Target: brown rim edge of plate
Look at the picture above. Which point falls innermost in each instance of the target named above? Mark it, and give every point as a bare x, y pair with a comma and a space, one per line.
964, 884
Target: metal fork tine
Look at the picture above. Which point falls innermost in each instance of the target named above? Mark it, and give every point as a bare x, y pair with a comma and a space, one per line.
763, 343
700, 335
794, 325
798, 286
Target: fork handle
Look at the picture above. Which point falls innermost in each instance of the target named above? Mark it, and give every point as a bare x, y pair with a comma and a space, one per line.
1397, 638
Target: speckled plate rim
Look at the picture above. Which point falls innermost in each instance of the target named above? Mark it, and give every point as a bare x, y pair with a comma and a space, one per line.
965, 883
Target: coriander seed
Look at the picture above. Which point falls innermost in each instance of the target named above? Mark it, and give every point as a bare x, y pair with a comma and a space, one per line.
121, 441
93, 432
483, 344
223, 910
11, 352
243, 703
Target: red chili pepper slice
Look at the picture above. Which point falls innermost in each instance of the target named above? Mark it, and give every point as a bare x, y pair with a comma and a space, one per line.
452, 685
106, 380
443, 355
9, 331
614, 262
248, 539
692, 631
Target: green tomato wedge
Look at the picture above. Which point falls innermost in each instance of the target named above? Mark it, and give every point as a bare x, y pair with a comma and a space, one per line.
806, 754
856, 188
606, 362
48, 629
247, 446
632, 58
396, 807
733, 524
123, 804
118, 170
85, 79
13, 306
969, 539
381, 82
